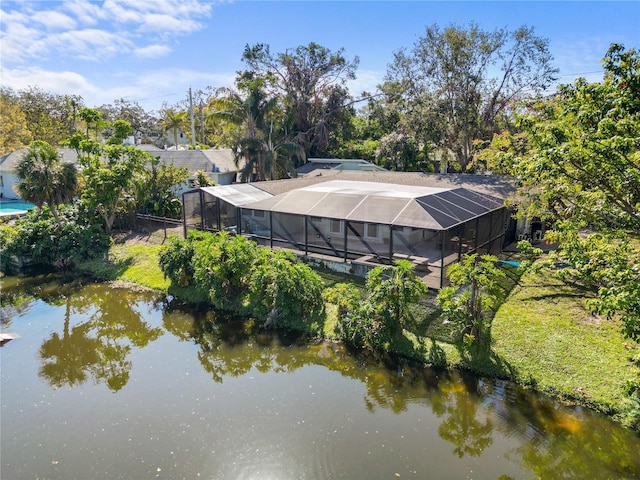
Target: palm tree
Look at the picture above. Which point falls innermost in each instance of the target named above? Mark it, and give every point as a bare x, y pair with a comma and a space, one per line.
174, 121
45, 178
268, 159
264, 157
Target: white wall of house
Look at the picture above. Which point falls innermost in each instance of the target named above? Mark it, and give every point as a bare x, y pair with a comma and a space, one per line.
7, 181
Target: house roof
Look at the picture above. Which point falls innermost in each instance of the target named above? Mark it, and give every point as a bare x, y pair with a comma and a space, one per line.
435, 208
314, 164
213, 160
495, 185
9, 161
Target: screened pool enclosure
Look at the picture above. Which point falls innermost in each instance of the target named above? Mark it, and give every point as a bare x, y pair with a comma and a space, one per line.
362, 224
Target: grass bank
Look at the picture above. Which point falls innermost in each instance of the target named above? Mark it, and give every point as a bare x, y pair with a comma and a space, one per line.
132, 263
543, 335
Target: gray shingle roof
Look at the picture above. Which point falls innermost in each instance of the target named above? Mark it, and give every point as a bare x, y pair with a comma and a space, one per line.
213, 160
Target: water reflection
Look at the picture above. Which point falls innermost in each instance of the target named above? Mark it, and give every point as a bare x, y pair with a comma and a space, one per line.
99, 344
98, 333
464, 424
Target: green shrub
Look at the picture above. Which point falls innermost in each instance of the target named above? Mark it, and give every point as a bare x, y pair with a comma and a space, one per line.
288, 294
48, 243
175, 260
222, 267
373, 323
238, 276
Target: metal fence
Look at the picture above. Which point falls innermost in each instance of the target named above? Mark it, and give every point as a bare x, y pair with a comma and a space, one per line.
157, 229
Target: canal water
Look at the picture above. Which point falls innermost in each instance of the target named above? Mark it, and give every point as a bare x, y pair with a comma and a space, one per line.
108, 383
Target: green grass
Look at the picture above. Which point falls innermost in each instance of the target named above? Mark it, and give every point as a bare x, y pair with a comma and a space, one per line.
546, 336
130, 263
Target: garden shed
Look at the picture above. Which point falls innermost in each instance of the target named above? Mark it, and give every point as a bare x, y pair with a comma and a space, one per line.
363, 224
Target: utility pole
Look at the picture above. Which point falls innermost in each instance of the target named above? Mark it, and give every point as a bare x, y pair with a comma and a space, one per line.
193, 123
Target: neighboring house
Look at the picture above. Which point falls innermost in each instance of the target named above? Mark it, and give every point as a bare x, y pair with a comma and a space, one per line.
315, 166
8, 162
8, 178
218, 165
353, 220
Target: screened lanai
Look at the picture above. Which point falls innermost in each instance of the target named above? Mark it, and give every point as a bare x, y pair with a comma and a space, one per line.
362, 224
368, 223
218, 208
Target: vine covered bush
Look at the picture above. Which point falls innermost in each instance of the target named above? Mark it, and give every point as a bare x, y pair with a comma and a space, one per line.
38, 236
240, 277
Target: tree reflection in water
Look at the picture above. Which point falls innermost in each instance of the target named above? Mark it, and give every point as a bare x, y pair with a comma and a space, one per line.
110, 324
103, 326
230, 350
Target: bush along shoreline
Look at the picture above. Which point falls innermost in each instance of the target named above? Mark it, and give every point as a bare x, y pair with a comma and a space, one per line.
541, 334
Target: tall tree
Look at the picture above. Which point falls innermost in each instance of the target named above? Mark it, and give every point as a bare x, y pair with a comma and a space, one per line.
45, 178
50, 117
142, 122
582, 169
311, 83
174, 121
447, 87
584, 157
14, 133
263, 151
109, 173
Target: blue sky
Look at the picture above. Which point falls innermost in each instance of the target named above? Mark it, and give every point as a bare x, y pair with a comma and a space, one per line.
152, 51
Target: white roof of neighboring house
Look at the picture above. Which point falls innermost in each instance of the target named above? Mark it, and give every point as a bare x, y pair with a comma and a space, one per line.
358, 164
9, 161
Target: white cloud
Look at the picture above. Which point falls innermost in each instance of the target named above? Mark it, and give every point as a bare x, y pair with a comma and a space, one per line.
150, 89
90, 44
92, 31
56, 82
85, 12
53, 20
168, 24
152, 51
366, 81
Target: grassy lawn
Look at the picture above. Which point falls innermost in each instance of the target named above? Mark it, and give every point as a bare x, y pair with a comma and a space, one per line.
545, 336
130, 263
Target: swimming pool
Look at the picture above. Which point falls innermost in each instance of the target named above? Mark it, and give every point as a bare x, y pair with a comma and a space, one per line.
14, 207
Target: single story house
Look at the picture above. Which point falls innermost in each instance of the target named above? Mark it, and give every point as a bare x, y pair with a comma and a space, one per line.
218, 165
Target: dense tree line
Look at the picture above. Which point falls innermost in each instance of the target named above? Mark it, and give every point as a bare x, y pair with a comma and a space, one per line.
439, 104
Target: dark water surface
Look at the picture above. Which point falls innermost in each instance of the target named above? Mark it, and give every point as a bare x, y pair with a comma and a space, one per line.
107, 383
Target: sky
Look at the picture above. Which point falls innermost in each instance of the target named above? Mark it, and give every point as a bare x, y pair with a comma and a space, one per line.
152, 51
